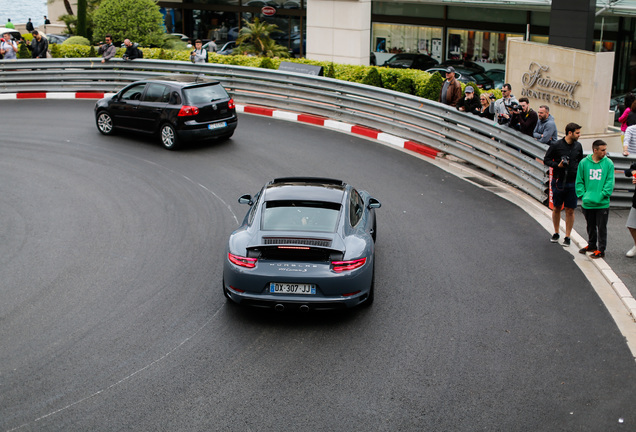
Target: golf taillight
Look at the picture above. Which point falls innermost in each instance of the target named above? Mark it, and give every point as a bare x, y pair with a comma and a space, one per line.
187, 110
242, 261
230, 104
341, 266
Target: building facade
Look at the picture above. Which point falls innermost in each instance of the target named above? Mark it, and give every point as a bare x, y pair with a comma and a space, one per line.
371, 31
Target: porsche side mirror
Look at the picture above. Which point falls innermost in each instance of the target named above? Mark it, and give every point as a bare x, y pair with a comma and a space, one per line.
374, 203
246, 199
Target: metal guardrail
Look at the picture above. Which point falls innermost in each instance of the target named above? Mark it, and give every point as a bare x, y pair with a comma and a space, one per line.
501, 151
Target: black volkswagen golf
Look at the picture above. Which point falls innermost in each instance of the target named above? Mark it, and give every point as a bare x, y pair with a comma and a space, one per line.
179, 110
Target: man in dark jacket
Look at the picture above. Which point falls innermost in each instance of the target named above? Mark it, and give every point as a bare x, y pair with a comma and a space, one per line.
526, 119
564, 157
132, 52
38, 46
451, 90
469, 103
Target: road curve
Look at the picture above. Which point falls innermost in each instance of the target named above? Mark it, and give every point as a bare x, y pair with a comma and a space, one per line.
112, 316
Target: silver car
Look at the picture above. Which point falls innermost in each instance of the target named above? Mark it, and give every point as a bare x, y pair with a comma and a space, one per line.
305, 244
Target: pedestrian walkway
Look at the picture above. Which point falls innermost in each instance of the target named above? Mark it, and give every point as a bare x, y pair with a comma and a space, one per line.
619, 241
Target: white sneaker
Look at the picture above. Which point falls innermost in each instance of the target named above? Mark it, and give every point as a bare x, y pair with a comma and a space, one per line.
631, 253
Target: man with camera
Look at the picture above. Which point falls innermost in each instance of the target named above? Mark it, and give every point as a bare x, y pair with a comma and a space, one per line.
564, 157
524, 119
501, 107
198, 55
106, 49
594, 185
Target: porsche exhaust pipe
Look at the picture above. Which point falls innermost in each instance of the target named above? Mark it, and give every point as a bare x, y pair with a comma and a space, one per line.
279, 307
304, 308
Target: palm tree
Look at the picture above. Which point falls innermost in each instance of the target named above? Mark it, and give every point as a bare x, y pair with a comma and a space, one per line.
255, 38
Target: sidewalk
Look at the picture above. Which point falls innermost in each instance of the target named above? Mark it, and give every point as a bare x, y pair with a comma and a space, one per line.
619, 241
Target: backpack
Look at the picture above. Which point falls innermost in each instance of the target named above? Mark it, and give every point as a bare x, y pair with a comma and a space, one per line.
140, 53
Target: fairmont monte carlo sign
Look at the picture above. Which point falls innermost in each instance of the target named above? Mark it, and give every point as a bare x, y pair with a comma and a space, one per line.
536, 85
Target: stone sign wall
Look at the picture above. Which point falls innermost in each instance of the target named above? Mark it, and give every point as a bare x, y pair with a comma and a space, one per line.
575, 84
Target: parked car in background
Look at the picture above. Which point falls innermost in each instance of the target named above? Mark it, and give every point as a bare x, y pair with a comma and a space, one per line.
13, 32
55, 38
497, 75
411, 61
465, 76
181, 36
227, 48
176, 110
464, 64
305, 244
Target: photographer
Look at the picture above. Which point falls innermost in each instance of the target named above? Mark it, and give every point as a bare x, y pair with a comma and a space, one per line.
106, 49
524, 119
500, 107
198, 54
564, 157
8, 47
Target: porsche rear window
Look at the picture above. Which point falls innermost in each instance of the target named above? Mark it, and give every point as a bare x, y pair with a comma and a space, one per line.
300, 216
202, 95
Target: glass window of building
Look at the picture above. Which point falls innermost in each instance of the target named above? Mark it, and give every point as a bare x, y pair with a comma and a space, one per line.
390, 39
488, 47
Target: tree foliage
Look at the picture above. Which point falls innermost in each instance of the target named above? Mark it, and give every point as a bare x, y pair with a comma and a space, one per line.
255, 38
71, 20
137, 20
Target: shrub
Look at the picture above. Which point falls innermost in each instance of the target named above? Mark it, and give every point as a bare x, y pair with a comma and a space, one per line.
267, 63
138, 20
23, 51
329, 71
55, 50
405, 85
77, 40
432, 88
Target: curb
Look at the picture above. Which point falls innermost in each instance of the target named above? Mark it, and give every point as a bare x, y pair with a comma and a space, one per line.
601, 266
364, 131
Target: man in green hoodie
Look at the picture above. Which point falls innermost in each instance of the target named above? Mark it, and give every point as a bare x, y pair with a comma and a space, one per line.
594, 185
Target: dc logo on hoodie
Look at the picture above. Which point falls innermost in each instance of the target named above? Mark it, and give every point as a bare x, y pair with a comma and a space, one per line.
595, 174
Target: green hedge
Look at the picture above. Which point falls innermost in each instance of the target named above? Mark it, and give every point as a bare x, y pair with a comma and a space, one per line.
410, 81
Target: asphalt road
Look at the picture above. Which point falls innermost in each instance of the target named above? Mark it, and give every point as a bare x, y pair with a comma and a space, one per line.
112, 316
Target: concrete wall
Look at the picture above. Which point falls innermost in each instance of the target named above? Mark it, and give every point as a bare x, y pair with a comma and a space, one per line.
339, 31
575, 84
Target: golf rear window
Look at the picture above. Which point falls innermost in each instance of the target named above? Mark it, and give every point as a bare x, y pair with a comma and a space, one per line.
312, 216
202, 95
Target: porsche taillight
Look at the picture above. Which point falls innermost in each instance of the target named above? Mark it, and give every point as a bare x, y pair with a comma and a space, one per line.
187, 110
341, 266
242, 261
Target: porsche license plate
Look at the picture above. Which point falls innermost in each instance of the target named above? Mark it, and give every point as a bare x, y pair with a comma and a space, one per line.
292, 288
217, 125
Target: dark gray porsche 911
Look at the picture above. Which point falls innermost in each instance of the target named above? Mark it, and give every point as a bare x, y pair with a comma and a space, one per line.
305, 244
